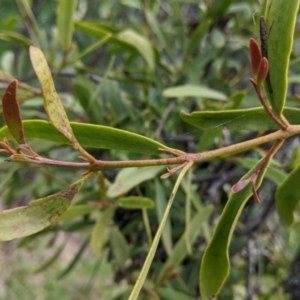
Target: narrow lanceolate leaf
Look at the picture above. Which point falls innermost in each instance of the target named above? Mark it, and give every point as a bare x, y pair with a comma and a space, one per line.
11, 36
131, 177
280, 17
189, 90
160, 205
218, 8
89, 135
239, 119
180, 251
65, 23
135, 202
273, 173
37, 215
288, 196
197, 37
255, 56
94, 29
119, 247
140, 43
52, 103
99, 231
11, 112
215, 264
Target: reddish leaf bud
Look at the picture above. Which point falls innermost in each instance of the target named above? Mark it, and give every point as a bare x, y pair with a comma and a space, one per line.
263, 70
255, 56
11, 112
239, 186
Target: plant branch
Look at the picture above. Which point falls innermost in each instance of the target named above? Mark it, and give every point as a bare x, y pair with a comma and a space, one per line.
195, 157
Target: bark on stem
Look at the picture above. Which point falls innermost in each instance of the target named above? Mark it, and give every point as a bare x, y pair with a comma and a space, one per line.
195, 157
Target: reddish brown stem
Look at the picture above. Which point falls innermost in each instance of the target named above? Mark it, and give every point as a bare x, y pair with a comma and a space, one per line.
265, 105
255, 175
195, 157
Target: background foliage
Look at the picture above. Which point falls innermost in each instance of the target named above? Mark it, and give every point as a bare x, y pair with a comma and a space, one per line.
135, 65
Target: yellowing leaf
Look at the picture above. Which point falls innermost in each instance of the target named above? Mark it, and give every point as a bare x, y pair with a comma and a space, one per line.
52, 103
37, 215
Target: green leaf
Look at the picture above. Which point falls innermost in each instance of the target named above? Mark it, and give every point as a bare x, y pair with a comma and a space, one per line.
180, 251
112, 99
287, 197
131, 177
170, 293
127, 37
76, 211
215, 263
99, 231
160, 205
255, 119
140, 43
37, 215
281, 19
119, 247
197, 37
135, 202
155, 26
218, 8
295, 159
11, 112
65, 24
217, 38
88, 135
94, 29
37, 33
91, 48
273, 173
193, 91
15, 37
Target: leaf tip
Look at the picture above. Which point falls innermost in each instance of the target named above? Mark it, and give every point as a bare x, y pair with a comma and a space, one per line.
255, 56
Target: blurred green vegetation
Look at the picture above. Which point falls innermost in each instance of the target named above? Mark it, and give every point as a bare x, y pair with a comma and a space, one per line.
124, 59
